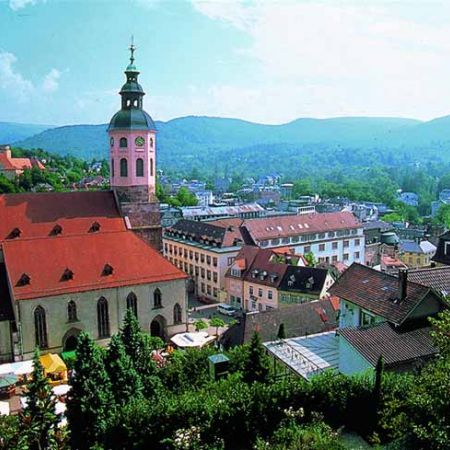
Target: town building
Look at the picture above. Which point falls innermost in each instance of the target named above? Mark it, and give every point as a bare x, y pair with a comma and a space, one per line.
170, 215
437, 278
417, 253
76, 261
409, 198
442, 255
12, 167
204, 251
245, 211
266, 279
444, 199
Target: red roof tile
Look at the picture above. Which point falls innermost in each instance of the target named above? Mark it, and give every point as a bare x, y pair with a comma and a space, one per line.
18, 163
284, 226
36, 214
132, 260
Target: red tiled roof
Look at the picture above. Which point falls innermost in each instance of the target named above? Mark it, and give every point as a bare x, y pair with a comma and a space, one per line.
18, 163
378, 292
284, 226
393, 262
36, 214
132, 260
261, 263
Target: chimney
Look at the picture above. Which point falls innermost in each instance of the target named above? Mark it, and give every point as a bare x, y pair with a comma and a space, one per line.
402, 284
6, 149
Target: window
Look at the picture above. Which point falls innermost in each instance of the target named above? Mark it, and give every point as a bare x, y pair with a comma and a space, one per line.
132, 303
208, 289
357, 242
345, 256
230, 260
177, 314
275, 241
264, 243
123, 142
447, 248
157, 299
151, 142
112, 167
191, 254
139, 167
197, 271
123, 167
102, 318
334, 259
208, 274
235, 272
334, 245
285, 240
307, 249
208, 259
185, 253
346, 243
215, 277
196, 256
214, 262
321, 247
203, 287
356, 255
260, 292
151, 167
72, 311
331, 234
269, 295
191, 269
250, 290
40, 327
366, 319
203, 272
215, 292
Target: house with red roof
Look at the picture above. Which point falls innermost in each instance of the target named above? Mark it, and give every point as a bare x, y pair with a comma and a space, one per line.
12, 167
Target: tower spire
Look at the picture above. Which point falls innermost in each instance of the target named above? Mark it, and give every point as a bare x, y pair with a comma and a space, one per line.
132, 50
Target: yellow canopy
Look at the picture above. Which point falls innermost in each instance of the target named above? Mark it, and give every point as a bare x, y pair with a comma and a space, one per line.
52, 363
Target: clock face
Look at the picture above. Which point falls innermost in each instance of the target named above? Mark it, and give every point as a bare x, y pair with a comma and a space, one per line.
112, 142
139, 141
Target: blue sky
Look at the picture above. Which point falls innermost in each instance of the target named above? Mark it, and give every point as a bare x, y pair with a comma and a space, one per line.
62, 61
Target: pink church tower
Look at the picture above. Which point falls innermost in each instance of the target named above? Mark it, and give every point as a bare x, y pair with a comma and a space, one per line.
132, 140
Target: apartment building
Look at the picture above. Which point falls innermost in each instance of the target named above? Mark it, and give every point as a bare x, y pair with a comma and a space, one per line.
205, 252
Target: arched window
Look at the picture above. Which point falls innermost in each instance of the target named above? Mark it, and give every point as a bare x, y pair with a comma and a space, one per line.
157, 299
112, 167
151, 142
40, 327
139, 167
123, 142
177, 314
103, 318
151, 167
72, 311
132, 303
123, 167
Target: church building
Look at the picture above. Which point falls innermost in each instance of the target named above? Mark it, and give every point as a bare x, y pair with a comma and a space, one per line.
76, 261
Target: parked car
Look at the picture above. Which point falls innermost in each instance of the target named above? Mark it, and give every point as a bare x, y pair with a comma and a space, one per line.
227, 310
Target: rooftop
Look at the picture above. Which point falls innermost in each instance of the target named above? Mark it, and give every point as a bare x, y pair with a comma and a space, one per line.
437, 278
398, 345
34, 215
378, 292
83, 263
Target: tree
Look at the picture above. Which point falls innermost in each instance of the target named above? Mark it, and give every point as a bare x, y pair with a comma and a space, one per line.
200, 325
90, 401
377, 389
39, 421
281, 332
256, 367
443, 215
186, 197
125, 381
441, 333
217, 322
6, 186
310, 259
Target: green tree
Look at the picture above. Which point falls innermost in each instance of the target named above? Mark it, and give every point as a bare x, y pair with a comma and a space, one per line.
310, 259
200, 325
217, 323
443, 215
39, 421
256, 367
186, 197
90, 403
9, 432
281, 332
125, 381
6, 186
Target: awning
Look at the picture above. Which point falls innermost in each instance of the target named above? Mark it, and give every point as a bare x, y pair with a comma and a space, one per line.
52, 363
7, 380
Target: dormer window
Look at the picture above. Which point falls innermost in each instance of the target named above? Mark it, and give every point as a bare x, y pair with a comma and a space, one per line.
67, 275
15, 233
107, 270
447, 248
57, 229
95, 227
24, 280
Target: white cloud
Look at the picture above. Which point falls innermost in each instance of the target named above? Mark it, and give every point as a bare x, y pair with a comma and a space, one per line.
51, 81
11, 80
348, 58
15, 5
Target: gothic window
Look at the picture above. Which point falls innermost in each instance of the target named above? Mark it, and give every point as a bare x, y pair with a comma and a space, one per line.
151, 167
157, 300
112, 167
103, 318
123, 167
40, 327
123, 142
72, 311
139, 167
132, 303
177, 314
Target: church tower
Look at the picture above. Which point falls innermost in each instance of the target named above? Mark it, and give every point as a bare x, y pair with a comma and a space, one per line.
132, 141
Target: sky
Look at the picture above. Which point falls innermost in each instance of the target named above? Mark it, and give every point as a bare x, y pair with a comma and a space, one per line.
267, 61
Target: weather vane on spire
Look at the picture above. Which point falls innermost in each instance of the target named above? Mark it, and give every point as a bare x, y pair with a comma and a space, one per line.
132, 49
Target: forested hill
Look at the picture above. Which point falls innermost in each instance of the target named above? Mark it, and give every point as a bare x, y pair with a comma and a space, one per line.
13, 132
214, 144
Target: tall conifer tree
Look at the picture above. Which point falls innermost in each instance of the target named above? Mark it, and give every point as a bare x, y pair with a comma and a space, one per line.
256, 366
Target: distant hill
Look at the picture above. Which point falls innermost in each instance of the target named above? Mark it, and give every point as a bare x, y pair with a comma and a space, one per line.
13, 132
210, 143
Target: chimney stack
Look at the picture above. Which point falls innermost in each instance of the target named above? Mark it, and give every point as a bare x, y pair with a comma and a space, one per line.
6, 149
402, 284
